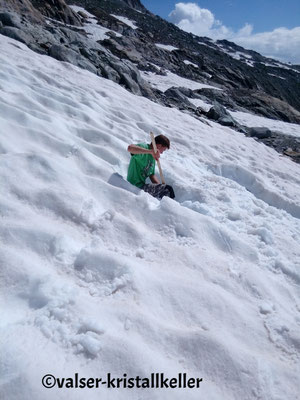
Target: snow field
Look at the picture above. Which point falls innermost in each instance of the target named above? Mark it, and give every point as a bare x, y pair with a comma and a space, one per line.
98, 279
91, 27
165, 82
255, 121
126, 21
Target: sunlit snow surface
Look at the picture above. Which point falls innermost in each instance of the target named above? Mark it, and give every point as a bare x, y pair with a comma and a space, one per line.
126, 21
97, 279
255, 121
164, 82
187, 62
166, 47
92, 28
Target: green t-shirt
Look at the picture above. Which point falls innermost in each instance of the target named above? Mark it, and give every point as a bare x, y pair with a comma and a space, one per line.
140, 167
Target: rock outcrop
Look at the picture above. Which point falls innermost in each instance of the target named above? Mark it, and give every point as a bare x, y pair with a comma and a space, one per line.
58, 10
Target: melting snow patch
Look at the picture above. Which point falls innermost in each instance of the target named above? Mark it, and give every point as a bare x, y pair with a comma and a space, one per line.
96, 31
277, 76
200, 103
164, 82
190, 63
166, 47
126, 21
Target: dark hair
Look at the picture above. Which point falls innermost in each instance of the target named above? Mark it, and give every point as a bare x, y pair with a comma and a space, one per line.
163, 140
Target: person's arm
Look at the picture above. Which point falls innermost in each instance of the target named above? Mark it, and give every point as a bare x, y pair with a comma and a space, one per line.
134, 149
154, 179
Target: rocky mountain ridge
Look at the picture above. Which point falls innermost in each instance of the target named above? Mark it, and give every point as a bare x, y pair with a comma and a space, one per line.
135, 40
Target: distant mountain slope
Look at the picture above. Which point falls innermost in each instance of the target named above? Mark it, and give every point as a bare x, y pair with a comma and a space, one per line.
221, 62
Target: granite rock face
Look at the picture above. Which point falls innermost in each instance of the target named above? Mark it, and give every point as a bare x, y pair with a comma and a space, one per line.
58, 10
23, 8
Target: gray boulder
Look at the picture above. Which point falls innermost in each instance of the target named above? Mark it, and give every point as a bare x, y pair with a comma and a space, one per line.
17, 34
62, 53
260, 132
217, 112
58, 10
227, 121
176, 96
11, 19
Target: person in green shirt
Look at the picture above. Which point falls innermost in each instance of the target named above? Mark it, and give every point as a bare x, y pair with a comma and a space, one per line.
142, 166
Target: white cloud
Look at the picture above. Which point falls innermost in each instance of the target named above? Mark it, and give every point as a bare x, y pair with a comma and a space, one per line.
200, 21
281, 43
192, 13
245, 31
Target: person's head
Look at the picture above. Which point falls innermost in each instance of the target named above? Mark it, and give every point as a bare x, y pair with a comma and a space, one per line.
162, 143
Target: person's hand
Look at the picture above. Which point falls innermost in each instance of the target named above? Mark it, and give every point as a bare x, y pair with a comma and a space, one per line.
155, 155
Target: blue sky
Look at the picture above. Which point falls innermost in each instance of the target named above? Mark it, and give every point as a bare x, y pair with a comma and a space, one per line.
271, 27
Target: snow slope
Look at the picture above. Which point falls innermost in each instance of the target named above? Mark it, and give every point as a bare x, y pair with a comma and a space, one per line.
256, 121
98, 279
165, 82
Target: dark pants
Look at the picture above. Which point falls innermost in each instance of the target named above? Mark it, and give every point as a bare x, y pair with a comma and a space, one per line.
159, 190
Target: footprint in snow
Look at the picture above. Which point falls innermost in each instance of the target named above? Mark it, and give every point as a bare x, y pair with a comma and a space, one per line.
102, 273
